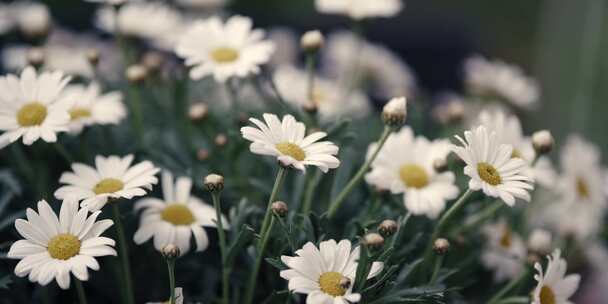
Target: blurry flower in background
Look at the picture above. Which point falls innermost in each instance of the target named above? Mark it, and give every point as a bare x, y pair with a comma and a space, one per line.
112, 178
110, 2
31, 108
501, 81
505, 251
554, 286
491, 167
450, 108
287, 141
176, 218
286, 46
405, 165
56, 247
32, 19
89, 107
360, 9
540, 241
224, 50
326, 274
202, 4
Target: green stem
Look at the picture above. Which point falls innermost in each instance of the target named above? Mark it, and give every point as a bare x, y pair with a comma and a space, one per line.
335, 204
63, 152
82, 298
124, 254
258, 263
222, 239
479, 218
275, 190
512, 284
438, 263
171, 270
136, 111
310, 69
308, 194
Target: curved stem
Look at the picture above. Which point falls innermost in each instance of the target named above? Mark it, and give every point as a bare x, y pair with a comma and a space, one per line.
82, 298
171, 270
123, 251
335, 204
308, 194
258, 263
222, 240
512, 284
273, 194
438, 262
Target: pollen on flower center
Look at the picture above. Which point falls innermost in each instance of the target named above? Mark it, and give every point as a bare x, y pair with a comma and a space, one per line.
547, 296
329, 282
108, 185
63, 246
79, 112
177, 214
506, 239
414, 176
582, 189
224, 55
292, 150
488, 174
31, 114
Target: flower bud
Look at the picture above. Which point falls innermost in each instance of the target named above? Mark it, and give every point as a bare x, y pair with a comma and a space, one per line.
279, 208
312, 41
450, 109
387, 228
202, 154
221, 140
440, 164
35, 57
92, 57
394, 112
171, 251
198, 112
152, 61
373, 240
441, 246
540, 241
136, 73
34, 20
310, 107
214, 182
542, 141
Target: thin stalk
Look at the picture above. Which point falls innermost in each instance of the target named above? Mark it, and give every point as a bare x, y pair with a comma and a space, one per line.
63, 152
512, 284
222, 239
258, 263
335, 204
171, 270
123, 251
233, 95
273, 194
438, 263
82, 298
136, 109
480, 218
308, 194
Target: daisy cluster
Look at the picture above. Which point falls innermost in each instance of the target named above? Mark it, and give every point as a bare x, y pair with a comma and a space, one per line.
178, 153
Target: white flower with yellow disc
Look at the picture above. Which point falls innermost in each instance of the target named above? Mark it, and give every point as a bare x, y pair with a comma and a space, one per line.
554, 286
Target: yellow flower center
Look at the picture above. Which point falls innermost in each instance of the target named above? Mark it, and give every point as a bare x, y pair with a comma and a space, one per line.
108, 185
414, 176
547, 296
506, 239
79, 112
488, 174
225, 55
64, 246
516, 154
178, 215
582, 189
292, 150
31, 114
329, 283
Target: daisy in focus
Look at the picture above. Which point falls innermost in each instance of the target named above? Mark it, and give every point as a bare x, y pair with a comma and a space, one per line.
360, 9
89, 107
176, 218
113, 177
505, 251
491, 167
554, 286
55, 247
287, 141
405, 165
31, 108
326, 274
224, 49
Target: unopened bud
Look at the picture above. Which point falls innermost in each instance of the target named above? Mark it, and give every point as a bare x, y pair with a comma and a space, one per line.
152, 61
540, 241
345, 283
279, 208
92, 56
312, 41
136, 73
387, 228
202, 154
440, 164
221, 140
441, 246
542, 141
171, 251
214, 182
310, 107
198, 112
394, 112
243, 118
373, 240
35, 57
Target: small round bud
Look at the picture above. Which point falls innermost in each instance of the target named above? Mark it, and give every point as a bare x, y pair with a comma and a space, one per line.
441, 246
312, 41
345, 283
394, 112
533, 258
373, 240
202, 154
171, 251
310, 107
34, 21
197, 112
92, 56
440, 164
214, 182
35, 57
136, 73
221, 140
243, 119
153, 61
279, 208
387, 228
540, 241
542, 141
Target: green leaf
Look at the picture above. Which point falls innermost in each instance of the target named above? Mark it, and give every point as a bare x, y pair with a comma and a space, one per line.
276, 263
245, 237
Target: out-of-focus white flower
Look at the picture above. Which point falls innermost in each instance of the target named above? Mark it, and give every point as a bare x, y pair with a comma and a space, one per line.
286, 46
6, 20
497, 79
202, 4
360, 9
505, 251
224, 49
110, 2
554, 286
450, 108
356, 62
330, 99
405, 165
32, 18
540, 241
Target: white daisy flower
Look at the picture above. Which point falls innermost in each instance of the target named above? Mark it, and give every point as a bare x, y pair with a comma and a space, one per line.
405, 165
89, 107
497, 79
224, 49
554, 286
30, 107
286, 46
179, 297
177, 217
326, 274
330, 99
113, 177
360, 9
55, 246
287, 141
505, 251
491, 167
